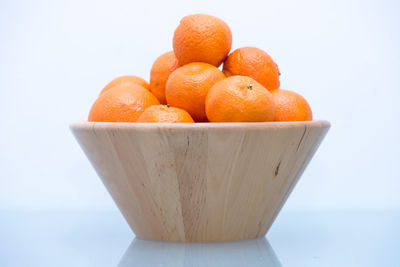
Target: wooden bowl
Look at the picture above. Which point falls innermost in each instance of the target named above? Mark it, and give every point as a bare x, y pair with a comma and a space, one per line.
200, 182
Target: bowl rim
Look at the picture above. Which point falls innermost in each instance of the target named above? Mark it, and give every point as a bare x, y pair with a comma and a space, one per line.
199, 125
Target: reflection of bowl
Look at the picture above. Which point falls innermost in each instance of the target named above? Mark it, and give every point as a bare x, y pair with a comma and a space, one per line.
256, 252
200, 182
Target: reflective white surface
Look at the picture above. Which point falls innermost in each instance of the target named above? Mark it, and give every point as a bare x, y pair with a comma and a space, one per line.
302, 238
255, 252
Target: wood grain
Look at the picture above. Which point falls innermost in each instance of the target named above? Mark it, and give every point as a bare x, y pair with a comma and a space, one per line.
202, 182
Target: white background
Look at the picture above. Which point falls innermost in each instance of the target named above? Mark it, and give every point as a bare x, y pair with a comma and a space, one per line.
56, 56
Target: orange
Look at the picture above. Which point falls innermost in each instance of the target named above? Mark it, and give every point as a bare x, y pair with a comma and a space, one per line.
165, 113
290, 106
255, 63
239, 99
188, 85
125, 79
122, 103
160, 71
202, 38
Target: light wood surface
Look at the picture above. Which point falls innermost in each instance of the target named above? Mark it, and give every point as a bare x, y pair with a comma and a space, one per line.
202, 182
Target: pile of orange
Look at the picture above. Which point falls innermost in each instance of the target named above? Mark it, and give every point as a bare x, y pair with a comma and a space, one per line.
186, 84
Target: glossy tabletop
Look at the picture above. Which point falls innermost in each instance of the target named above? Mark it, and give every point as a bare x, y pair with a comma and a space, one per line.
99, 238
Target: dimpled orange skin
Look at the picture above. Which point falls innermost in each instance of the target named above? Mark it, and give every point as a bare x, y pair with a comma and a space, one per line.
290, 106
164, 114
202, 38
239, 99
255, 63
122, 103
188, 85
125, 79
160, 71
